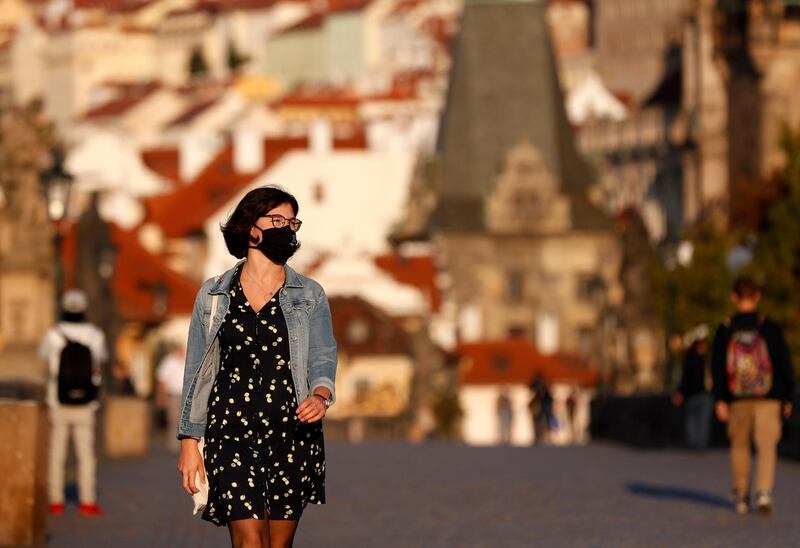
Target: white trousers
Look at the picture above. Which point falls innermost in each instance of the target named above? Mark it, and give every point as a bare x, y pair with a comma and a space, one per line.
79, 421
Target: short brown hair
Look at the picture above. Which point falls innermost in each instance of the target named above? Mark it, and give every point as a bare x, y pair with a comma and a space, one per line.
255, 204
745, 287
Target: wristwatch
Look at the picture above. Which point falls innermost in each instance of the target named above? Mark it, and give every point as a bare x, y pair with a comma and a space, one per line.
327, 401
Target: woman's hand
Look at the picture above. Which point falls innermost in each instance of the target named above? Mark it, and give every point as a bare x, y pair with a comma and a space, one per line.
312, 409
189, 464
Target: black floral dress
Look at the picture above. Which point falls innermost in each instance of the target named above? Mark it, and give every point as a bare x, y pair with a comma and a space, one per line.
258, 454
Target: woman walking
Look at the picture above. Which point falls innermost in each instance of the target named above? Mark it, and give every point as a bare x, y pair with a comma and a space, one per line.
259, 378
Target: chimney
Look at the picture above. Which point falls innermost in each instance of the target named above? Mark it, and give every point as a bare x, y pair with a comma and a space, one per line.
248, 151
547, 333
196, 150
320, 136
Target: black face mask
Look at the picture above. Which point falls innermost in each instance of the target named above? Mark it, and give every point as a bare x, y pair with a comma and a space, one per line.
277, 244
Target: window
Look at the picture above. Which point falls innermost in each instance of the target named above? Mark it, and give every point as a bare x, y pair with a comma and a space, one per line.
500, 362
357, 331
319, 193
515, 285
585, 340
591, 288
362, 388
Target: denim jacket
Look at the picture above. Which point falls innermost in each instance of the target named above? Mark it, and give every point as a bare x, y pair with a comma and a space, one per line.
312, 348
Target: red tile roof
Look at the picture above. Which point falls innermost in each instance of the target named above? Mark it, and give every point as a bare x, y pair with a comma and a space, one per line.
137, 272
244, 5
192, 112
384, 334
315, 20
419, 272
404, 6
516, 361
185, 210
130, 97
109, 5
318, 96
164, 161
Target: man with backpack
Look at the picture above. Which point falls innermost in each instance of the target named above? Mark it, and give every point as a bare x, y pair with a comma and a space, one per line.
753, 388
73, 349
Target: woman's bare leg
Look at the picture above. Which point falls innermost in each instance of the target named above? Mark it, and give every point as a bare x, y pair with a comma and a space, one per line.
249, 533
281, 532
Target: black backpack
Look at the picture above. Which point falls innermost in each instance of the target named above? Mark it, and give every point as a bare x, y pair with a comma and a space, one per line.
75, 365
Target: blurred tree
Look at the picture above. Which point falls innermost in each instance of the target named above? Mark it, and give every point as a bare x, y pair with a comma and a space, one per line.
235, 59
776, 261
751, 201
197, 63
447, 413
701, 287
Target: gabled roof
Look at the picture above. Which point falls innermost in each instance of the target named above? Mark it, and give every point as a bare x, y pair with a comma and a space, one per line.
186, 210
318, 96
504, 89
129, 98
317, 19
192, 112
244, 5
383, 334
109, 5
419, 271
164, 161
133, 285
517, 361
313, 21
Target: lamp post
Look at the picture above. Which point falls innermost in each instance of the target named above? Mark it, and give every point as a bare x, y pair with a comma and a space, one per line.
106, 253
160, 298
598, 293
675, 253
56, 184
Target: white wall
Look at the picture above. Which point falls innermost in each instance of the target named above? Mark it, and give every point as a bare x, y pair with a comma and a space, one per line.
364, 193
480, 423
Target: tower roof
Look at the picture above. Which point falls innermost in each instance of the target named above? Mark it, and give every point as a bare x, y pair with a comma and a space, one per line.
504, 89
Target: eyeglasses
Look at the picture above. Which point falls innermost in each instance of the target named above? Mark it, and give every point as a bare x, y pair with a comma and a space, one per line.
279, 221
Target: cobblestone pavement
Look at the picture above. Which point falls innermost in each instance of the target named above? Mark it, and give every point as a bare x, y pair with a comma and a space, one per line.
442, 495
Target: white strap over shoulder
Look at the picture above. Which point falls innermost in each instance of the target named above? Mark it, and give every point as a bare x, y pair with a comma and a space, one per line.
214, 301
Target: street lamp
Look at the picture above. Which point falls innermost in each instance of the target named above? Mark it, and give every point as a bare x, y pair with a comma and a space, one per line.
597, 290
675, 253
56, 184
160, 298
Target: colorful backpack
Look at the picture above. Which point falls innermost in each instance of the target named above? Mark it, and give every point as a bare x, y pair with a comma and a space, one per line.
749, 366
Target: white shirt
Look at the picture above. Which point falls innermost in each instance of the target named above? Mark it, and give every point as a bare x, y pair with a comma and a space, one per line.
53, 342
170, 373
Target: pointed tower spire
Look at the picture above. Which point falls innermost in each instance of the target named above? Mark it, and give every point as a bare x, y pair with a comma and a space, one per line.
504, 89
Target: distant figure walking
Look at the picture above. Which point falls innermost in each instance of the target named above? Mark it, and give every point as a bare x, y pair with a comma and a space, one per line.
74, 350
693, 394
541, 406
168, 392
504, 417
753, 387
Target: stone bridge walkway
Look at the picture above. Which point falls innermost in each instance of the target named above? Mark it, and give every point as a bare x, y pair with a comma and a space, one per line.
443, 495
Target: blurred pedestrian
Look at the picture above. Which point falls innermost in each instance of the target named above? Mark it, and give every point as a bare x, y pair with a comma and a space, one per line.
74, 350
693, 393
260, 369
504, 417
753, 387
541, 407
169, 384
